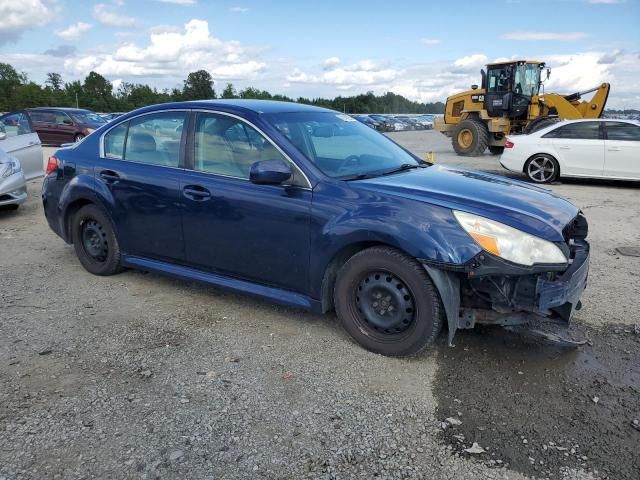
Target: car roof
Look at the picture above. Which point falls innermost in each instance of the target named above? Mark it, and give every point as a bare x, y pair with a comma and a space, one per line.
244, 105
62, 109
581, 120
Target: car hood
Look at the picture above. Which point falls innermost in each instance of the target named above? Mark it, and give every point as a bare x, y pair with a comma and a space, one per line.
521, 205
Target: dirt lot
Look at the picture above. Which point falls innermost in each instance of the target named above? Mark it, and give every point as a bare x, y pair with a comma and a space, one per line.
140, 376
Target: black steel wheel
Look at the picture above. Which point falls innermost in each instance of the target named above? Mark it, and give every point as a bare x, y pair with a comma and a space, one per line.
387, 303
95, 242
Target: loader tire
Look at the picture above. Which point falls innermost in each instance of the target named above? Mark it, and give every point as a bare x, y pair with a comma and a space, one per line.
470, 138
540, 123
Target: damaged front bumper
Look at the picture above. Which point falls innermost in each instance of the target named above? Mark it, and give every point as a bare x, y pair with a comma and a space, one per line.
490, 290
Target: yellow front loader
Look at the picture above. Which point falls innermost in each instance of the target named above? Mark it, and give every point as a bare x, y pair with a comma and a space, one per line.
508, 102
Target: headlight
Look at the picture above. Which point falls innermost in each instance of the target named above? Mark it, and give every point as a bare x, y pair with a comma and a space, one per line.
8, 169
508, 242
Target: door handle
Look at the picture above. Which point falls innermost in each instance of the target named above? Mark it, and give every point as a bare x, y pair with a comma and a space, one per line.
613, 149
109, 176
564, 147
196, 193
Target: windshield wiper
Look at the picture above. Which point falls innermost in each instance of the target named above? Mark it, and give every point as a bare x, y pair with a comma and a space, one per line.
402, 168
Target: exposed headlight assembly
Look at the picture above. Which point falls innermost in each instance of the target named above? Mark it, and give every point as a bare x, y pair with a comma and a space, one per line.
508, 242
9, 168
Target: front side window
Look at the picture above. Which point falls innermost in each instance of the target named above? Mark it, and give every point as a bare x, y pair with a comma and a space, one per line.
227, 146
340, 146
623, 131
87, 117
527, 79
15, 124
153, 139
497, 80
577, 131
62, 118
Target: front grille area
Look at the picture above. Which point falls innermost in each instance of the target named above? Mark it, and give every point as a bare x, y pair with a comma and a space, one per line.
4, 198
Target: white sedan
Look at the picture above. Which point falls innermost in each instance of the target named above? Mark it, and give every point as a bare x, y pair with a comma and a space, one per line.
596, 148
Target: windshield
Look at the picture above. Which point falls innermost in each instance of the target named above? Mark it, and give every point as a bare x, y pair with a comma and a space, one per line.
527, 79
340, 146
87, 117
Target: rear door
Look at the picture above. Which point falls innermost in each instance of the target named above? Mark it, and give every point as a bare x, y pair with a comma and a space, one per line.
622, 150
140, 164
579, 147
22, 142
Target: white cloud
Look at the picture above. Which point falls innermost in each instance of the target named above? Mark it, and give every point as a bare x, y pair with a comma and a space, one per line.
105, 15
74, 31
429, 41
20, 15
471, 61
364, 72
330, 63
555, 36
174, 54
239, 9
606, 2
178, 2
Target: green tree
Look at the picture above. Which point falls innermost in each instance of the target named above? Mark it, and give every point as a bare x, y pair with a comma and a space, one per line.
198, 86
229, 92
97, 93
9, 80
54, 80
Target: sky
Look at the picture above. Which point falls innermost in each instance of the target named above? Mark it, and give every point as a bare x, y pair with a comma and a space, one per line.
424, 50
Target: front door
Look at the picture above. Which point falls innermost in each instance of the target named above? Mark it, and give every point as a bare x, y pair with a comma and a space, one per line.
622, 150
140, 168
234, 227
580, 148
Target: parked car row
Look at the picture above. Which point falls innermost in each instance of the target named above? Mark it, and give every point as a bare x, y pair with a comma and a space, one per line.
396, 123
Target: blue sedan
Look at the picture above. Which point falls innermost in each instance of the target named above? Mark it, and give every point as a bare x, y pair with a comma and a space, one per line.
310, 208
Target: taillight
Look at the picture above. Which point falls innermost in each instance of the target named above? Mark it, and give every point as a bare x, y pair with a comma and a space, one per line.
508, 144
52, 165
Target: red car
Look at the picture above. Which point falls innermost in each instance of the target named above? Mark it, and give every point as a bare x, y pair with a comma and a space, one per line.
64, 125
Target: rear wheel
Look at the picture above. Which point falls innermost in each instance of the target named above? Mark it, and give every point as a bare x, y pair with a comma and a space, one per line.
387, 303
542, 168
95, 242
496, 150
470, 138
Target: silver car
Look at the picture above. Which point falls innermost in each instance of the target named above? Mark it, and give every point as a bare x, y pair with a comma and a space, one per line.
20, 158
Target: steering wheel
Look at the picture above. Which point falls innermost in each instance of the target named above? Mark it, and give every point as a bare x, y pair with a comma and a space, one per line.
350, 160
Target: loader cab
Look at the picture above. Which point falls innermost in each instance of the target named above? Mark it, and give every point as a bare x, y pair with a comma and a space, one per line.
509, 87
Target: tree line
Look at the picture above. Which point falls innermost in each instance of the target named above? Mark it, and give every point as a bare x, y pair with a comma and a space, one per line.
98, 94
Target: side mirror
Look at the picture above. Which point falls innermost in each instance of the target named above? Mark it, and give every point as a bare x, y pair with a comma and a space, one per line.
474, 87
66, 121
269, 172
548, 73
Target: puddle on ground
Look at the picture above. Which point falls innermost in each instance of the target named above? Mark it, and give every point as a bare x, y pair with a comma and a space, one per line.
540, 408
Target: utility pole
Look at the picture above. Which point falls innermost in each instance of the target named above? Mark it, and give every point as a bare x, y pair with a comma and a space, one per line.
77, 100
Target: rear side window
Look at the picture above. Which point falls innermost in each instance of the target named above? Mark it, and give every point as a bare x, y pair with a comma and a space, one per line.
155, 139
623, 131
114, 141
43, 116
578, 131
15, 124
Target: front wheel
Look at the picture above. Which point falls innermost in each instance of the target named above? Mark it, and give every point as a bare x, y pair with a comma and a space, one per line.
387, 303
95, 241
542, 168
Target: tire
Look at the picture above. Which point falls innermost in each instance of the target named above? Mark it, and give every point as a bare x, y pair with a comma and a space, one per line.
496, 150
381, 279
78, 137
540, 123
470, 138
95, 242
542, 168
13, 207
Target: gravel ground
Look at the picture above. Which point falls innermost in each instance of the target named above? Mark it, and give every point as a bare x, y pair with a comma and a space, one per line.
141, 376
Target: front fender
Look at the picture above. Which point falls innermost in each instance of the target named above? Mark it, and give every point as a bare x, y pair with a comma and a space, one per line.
424, 231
